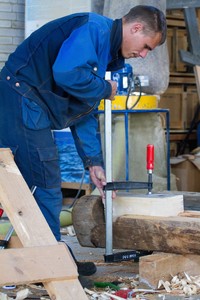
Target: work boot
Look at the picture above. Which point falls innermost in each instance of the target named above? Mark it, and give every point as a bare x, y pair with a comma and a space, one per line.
86, 282
84, 268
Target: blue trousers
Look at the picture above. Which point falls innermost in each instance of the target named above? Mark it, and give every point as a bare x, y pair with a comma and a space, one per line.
25, 129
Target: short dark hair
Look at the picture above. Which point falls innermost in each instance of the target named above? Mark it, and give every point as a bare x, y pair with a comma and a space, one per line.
153, 19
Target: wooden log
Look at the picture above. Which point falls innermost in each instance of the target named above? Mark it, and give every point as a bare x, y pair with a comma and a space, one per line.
87, 212
166, 234
177, 234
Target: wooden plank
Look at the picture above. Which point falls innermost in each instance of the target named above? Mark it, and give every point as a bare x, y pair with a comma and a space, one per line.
149, 205
181, 79
175, 22
20, 206
75, 186
30, 225
179, 136
35, 264
173, 99
155, 267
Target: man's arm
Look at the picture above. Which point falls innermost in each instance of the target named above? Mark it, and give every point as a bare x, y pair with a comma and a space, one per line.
81, 65
88, 144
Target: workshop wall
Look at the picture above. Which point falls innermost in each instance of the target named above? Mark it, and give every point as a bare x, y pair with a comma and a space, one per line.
11, 26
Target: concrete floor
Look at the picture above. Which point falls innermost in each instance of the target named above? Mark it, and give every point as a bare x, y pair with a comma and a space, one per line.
105, 271
125, 271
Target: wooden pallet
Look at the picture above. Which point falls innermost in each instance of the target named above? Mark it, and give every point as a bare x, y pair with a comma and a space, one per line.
42, 258
86, 187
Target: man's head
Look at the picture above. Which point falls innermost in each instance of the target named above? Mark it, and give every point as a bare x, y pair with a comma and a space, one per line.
144, 28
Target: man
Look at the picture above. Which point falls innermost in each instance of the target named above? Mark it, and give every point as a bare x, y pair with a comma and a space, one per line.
55, 79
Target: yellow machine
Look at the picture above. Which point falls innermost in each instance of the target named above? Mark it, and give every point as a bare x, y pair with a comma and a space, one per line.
145, 102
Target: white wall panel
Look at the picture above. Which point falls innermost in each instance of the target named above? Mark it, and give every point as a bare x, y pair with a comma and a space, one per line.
39, 12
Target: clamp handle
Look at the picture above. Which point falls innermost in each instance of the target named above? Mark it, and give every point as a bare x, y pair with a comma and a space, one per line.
150, 157
1, 212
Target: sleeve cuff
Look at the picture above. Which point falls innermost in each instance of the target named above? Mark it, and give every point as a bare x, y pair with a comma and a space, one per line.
93, 161
108, 91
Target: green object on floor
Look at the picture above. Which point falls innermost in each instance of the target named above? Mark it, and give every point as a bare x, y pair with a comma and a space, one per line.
66, 217
106, 284
65, 220
4, 227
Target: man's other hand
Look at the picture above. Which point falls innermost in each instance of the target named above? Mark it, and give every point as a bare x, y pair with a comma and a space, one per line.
114, 89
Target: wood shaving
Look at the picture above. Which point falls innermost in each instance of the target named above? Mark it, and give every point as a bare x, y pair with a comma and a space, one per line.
4, 297
188, 285
23, 294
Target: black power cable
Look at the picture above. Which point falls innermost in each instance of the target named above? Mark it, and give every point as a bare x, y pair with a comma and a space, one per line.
77, 195
136, 82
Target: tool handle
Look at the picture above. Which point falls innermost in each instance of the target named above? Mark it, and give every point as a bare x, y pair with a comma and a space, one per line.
1, 212
150, 157
126, 185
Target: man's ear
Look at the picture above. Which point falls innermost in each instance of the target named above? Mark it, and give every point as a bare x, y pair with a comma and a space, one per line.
136, 27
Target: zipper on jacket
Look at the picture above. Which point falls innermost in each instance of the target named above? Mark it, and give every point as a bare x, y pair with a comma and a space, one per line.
81, 115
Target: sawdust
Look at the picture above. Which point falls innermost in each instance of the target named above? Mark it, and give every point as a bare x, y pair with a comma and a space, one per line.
32, 291
181, 286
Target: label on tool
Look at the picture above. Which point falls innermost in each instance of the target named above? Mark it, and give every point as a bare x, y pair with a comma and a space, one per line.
150, 157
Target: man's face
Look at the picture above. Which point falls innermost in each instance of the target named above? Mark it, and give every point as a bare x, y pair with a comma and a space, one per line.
137, 44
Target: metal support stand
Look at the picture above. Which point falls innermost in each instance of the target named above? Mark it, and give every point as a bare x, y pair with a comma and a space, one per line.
109, 256
108, 164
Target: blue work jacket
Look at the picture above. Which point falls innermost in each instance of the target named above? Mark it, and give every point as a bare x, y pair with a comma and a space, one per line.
61, 66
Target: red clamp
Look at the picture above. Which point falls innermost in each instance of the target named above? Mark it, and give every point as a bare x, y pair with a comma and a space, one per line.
150, 157
1, 212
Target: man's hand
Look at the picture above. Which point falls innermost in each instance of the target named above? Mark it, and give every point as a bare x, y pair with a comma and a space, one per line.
114, 89
98, 177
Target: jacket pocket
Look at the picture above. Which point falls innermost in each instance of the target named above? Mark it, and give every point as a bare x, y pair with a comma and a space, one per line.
34, 117
48, 172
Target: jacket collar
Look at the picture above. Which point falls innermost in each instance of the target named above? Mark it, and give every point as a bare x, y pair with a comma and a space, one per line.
117, 60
